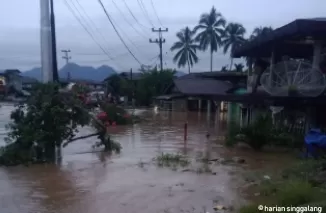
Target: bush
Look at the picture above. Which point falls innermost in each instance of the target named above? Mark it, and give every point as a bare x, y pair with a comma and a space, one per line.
116, 114
258, 133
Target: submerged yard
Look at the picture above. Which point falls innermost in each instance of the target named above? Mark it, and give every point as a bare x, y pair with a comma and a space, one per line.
134, 180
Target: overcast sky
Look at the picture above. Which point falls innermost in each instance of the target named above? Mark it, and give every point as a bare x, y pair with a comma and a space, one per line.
20, 34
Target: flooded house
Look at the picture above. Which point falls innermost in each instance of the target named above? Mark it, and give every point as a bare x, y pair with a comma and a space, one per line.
287, 71
204, 91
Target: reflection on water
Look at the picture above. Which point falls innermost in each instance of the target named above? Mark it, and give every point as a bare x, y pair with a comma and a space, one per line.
96, 182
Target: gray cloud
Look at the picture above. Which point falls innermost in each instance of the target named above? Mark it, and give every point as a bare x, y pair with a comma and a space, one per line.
20, 46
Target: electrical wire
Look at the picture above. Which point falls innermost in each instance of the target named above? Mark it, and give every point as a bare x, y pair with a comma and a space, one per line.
159, 20
126, 36
143, 9
128, 22
115, 29
134, 17
103, 37
88, 32
92, 22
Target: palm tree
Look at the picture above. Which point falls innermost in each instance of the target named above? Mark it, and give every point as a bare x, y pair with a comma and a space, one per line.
233, 37
260, 31
187, 49
224, 68
239, 67
211, 27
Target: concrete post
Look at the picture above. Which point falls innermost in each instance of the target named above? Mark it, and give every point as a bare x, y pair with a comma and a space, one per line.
317, 54
199, 105
209, 108
46, 45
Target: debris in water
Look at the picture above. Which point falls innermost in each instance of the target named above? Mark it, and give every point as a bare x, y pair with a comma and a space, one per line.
219, 207
266, 177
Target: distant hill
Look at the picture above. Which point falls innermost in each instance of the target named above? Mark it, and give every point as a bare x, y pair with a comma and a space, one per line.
76, 72
81, 72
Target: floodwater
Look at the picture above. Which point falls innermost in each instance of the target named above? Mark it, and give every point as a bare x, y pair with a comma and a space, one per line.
93, 182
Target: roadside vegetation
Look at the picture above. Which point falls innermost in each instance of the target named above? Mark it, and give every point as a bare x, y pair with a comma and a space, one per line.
263, 133
304, 184
50, 119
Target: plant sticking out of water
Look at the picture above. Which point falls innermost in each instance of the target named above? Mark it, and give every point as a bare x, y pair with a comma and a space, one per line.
39, 126
174, 160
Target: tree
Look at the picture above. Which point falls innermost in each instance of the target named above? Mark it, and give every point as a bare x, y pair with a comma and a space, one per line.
186, 47
224, 69
210, 30
153, 83
239, 67
41, 124
233, 37
260, 31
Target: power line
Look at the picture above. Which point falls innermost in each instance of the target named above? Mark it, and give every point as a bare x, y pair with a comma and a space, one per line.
89, 33
124, 43
159, 20
92, 23
134, 17
143, 9
126, 36
124, 17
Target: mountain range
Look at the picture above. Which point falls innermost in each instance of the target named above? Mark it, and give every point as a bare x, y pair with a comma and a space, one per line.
76, 71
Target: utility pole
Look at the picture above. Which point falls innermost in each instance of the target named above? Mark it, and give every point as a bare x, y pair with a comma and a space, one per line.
66, 56
132, 92
53, 45
160, 42
46, 47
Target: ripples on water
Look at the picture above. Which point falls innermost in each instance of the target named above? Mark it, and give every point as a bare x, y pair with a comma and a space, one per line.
95, 182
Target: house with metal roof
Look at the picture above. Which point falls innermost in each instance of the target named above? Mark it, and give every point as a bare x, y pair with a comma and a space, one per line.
202, 91
287, 66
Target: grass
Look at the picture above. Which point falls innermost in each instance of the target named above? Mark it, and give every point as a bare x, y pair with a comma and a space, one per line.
174, 160
293, 188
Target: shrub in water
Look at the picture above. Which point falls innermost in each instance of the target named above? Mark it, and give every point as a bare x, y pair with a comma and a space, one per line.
258, 133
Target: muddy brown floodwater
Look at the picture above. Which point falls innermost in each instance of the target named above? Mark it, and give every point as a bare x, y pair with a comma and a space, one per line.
93, 182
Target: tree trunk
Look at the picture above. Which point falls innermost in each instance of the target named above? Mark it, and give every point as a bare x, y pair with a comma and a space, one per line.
188, 66
211, 61
231, 64
49, 152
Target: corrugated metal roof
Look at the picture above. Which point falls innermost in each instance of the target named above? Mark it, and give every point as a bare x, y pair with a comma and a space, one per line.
202, 86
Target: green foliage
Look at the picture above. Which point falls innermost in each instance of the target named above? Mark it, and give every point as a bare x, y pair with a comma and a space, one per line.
296, 193
117, 114
43, 122
210, 31
233, 37
186, 47
152, 83
239, 67
166, 159
259, 133
294, 187
119, 86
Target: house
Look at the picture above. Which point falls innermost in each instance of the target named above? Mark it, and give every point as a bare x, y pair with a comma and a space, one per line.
28, 82
301, 41
207, 91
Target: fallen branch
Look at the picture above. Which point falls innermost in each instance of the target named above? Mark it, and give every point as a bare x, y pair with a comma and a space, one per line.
80, 138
